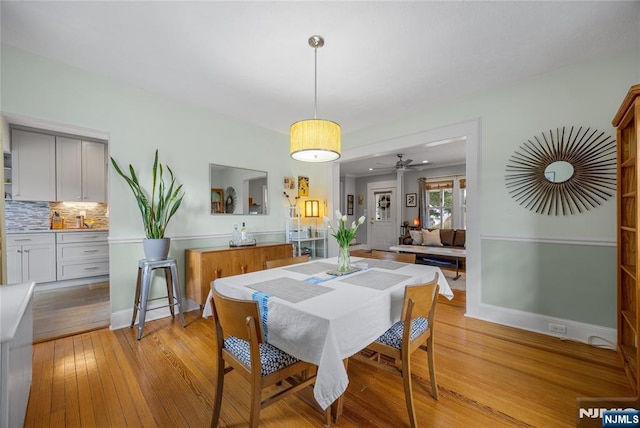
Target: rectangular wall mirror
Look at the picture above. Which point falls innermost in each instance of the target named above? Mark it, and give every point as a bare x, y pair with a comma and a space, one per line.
237, 190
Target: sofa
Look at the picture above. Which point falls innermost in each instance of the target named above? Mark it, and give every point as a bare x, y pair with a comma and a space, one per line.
455, 238
443, 238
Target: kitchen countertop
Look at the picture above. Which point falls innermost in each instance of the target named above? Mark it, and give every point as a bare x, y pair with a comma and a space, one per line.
70, 229
14, 299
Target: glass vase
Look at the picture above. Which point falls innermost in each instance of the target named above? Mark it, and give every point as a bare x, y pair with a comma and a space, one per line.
344, 264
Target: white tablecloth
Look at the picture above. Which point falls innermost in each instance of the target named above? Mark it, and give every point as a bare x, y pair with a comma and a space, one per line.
336, 320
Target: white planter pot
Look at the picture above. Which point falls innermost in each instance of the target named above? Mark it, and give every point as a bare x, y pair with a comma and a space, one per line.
156, 249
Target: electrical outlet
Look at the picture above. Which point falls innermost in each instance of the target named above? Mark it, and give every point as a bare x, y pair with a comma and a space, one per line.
557, 328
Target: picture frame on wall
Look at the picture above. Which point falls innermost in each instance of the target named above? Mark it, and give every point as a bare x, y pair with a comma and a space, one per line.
289, 183
217, 201
349, 204
303, 186
411, 200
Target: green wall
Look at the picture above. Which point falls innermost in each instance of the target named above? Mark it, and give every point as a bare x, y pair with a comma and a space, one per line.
575, 282
189, 138
586, 94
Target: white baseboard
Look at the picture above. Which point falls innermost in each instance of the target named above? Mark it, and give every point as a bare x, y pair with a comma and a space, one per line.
602, 337
155, 311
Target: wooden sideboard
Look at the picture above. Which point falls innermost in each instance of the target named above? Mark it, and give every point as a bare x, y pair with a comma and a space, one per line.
203, 265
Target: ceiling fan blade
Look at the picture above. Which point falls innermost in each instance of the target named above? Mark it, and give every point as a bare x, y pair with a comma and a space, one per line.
407, 162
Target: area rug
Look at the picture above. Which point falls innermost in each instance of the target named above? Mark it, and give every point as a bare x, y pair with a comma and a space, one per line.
457, 284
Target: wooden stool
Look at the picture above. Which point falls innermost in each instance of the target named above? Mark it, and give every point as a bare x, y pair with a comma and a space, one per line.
145, 269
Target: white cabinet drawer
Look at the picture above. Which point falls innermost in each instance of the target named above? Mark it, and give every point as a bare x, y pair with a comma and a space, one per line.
69, 252
83, 269
31, 239
71, 237
82, 254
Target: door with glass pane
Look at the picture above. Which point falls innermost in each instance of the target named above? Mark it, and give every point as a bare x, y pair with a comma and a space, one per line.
382, 230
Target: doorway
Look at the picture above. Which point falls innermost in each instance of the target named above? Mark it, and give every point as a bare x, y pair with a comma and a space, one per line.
471, 131
381, 206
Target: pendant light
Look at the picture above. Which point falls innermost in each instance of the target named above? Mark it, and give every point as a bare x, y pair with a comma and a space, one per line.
315, 140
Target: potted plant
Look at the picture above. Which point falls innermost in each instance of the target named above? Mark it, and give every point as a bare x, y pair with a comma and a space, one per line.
156, 207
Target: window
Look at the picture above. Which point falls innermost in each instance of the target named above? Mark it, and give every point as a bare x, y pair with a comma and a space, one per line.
443, 203
383, 206
440, 197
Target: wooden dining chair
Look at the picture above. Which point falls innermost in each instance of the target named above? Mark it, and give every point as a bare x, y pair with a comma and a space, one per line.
270, 264
414, 331
398, 257
240, 341
361, 253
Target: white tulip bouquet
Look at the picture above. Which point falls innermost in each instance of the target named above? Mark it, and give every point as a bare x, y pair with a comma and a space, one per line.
344, 235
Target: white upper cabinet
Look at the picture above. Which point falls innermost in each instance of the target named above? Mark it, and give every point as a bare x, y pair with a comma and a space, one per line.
80, 170
34, 166
69, 169
94, 171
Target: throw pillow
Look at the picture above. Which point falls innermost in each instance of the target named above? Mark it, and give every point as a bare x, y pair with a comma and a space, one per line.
416, 237
431, 238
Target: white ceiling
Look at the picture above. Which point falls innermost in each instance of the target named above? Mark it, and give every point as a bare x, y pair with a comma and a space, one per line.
381, 60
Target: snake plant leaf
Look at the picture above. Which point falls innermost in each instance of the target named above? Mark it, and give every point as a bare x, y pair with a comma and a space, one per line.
158, 206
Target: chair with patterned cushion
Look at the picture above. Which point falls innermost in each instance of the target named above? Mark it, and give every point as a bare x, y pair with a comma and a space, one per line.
270, 264
398, 257
239, 341
414, 331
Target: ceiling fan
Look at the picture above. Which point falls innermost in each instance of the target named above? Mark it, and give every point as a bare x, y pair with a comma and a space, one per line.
400, 164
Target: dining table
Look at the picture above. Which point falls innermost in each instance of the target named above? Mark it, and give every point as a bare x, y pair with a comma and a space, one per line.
320, 316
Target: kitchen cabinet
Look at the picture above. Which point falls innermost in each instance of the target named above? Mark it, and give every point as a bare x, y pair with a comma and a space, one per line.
203, 265
31, 257
16, 337
81, 170
82, 254
6, 158
33, 161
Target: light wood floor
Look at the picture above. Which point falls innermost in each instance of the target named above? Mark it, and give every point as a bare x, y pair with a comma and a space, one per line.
65, 311
488, 376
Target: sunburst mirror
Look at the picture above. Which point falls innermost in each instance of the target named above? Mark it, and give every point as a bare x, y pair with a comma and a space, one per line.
563, 172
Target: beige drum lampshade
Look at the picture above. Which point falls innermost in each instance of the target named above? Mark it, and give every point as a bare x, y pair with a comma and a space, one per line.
315, 140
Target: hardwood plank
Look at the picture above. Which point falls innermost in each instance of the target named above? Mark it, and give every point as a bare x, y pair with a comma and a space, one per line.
40, 393
488, 375
87, 417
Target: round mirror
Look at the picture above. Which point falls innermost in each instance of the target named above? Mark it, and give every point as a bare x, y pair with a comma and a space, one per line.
558, 172
585, 171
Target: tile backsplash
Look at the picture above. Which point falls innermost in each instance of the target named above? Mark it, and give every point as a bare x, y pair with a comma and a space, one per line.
35, 216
